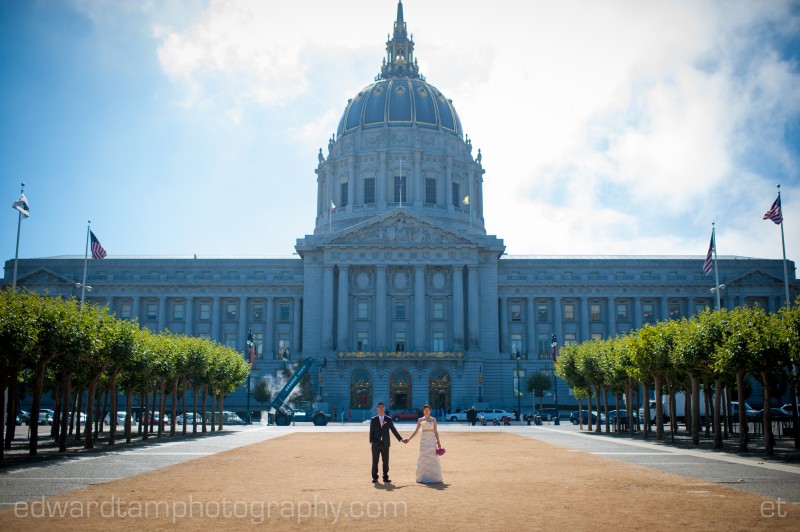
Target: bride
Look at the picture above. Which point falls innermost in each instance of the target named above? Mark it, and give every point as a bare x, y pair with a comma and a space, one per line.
429, 470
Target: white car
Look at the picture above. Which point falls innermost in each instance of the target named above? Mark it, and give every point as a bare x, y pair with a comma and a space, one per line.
492, 414
120, 418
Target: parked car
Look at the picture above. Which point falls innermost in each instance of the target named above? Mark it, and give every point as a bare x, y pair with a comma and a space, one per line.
189, 417
492, 414
788, 408
777, 414
120, 418
584, 417
81, 418
405, 415
749, 412
228, 418
23, 417
45, 416
622, 413
458, 415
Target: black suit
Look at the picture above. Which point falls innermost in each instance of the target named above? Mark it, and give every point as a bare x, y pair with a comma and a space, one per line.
380, 440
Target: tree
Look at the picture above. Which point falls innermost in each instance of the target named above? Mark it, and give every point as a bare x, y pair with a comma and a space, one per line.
262, 392
538, 383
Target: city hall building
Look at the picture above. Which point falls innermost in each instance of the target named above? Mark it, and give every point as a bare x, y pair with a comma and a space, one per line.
399, 287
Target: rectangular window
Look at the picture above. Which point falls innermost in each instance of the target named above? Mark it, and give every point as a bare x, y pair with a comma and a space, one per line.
597, 336
456, 196
594, 311
569, 312
400, 189
258, 312
648, 314
362, 341
284, 349
570, 338
152, 311
430, 191
230, 311
178, 311
258, 340
516, 312
362, 311
369, 190
205, 311
516, 343
437, 312
283, 312
541, 312
437, 342
543, 346
125, 311
674, 311
230, 340
343, 195
622, 312
400, 341
400, 311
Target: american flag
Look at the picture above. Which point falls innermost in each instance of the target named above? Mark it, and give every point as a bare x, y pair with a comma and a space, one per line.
709, 263
98, 251
251, 348
774, 212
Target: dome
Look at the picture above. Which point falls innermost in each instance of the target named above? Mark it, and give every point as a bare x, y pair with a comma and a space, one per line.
400, 101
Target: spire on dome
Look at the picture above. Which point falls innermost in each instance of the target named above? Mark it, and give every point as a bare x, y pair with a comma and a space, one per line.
399, 60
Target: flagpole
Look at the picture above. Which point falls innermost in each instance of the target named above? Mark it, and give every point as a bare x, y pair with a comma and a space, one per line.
716, 272
783, 245
16, 254
85, 264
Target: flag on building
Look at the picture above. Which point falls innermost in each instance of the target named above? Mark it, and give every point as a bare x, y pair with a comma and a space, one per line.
22, 206
774, 213
98, 251
251, 348
333, 207
709, 263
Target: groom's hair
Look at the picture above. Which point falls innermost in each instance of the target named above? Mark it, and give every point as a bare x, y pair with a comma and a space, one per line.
379, 404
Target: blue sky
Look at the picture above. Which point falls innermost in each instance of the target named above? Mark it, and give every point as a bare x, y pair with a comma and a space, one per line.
192, 127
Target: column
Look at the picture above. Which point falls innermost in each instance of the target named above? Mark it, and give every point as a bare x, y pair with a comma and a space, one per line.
269, 328
418, 188
585, 333
297, 318
136, 308
448, 184
188, 316
242, 340
637, 313
350, 185
419, 309
557, 322
380, 308
380, 184
458, 308
612, 318
162, 313
473, 307
504, 348
664, 310
342, 340
110, 304
327, 308
530, 320
215, 318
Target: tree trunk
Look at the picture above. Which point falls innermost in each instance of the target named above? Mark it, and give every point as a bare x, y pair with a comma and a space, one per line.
743, 428
673, 418
194, 409
766, 418
687, 408
88, 443
707, 417
7, 381
112, 415
221, 397
695, 410
205, 398
659, 384
174, 410
717, 419
55, 423
795, 417
66, 385
153, 411
5, 438
128, 414
646, 407
726, 401
100, 417
213, 410
162, 407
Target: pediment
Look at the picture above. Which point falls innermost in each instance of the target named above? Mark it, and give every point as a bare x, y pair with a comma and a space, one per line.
401, 229
43, 276
755, 278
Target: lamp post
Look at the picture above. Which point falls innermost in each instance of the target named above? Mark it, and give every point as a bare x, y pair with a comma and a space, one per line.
554, 344
480, 384
251, 353
517, 379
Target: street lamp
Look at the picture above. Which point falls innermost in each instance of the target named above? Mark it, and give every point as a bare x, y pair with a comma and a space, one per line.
480, 384
517, 379
554, 344
251, 346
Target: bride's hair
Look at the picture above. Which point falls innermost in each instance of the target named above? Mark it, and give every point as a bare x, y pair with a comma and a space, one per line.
426, 405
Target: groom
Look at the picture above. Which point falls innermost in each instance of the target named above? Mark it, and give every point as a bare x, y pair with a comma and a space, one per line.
379, 427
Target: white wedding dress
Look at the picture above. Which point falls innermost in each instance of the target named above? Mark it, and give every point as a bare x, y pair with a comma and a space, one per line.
429, 470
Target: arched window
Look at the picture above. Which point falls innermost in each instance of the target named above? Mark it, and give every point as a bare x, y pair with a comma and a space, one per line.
439, 389
400, 390
360, 390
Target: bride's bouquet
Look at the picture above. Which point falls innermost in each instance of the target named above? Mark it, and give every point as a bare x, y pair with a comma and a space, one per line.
440, 451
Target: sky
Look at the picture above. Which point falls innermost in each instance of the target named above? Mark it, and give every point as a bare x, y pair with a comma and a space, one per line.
183, 127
